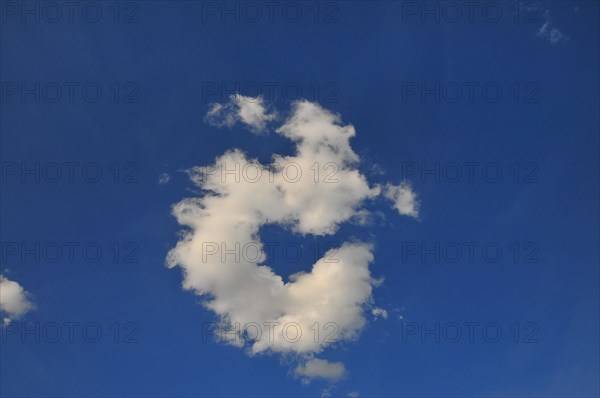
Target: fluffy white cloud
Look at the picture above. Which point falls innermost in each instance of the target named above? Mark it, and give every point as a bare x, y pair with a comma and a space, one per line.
403, 198
310, 192
14, 299
320, 369
248, 110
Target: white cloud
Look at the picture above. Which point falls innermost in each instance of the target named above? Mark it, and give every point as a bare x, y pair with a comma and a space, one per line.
14, 300
552, 33
320, 369
242, 291
556, 36
403, 198
379, 312
353, 394
164, 178
248, 110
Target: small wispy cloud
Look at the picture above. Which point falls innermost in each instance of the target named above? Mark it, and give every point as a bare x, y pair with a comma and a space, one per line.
164, 178
379, 313
248, 110
550, 32
316, 368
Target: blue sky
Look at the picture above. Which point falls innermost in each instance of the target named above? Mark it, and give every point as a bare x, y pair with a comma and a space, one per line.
390, 69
